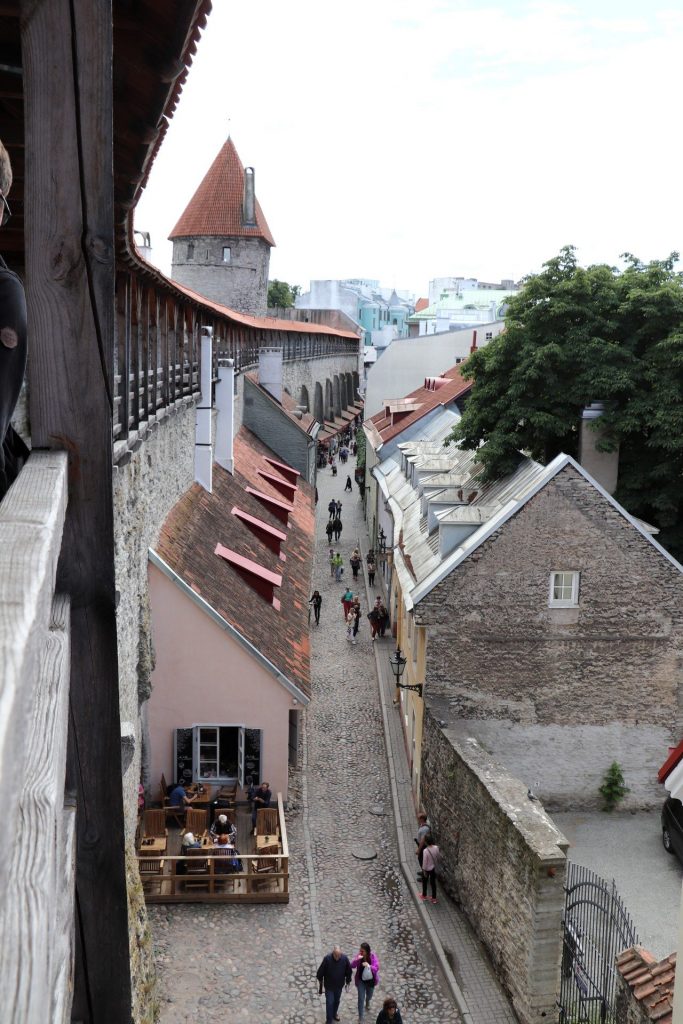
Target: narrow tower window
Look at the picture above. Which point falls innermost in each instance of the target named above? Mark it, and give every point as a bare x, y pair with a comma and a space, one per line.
226, 253
190, 250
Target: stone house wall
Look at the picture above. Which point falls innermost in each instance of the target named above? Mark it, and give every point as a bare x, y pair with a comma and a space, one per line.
627, 1009
281, 434
503, 860
307, 372
241, 284
558, 693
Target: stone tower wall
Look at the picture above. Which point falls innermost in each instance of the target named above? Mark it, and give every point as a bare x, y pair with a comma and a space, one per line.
241, 284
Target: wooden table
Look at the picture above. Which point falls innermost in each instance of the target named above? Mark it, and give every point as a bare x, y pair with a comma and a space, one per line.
203, 799
152, 846
262, 841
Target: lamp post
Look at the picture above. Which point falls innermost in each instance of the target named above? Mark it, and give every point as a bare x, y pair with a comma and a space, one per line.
398, 664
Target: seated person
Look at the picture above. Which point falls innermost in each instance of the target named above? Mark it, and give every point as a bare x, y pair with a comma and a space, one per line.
223, 827
260, 799
177, 797
224, 854
188, 842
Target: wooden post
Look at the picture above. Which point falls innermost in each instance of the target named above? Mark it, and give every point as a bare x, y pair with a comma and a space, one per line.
67, 61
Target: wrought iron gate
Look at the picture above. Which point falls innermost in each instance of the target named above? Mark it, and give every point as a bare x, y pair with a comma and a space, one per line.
596, 926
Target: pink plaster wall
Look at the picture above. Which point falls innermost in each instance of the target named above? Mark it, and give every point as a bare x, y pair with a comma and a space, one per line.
204, 676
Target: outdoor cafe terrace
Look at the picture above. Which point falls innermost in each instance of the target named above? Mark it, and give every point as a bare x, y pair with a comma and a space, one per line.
254, 868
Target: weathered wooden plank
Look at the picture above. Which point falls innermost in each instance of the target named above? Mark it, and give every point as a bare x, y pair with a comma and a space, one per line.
31, 524
70, 290
41, 876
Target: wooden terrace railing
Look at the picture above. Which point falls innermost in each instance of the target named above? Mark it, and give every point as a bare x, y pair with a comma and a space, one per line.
162, 883
157, 349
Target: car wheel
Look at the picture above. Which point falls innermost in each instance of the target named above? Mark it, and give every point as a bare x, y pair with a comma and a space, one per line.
666, 839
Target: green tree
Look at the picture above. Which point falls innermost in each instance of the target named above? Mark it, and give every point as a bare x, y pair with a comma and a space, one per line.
281, 295
575, 335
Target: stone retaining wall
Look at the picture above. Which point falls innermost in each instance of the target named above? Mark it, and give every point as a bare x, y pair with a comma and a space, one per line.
503, 860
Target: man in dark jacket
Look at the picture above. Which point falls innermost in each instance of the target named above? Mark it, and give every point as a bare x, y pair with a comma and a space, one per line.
334, 973
13, 451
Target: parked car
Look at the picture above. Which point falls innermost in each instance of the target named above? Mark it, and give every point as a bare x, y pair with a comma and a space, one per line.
672, 827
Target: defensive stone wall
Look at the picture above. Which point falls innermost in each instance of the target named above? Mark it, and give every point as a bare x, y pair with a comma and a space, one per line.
307, 372
559, 693
241, 283
147, 484
503, 860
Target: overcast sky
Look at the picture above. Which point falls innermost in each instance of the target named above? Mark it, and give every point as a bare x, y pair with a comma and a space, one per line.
410, 140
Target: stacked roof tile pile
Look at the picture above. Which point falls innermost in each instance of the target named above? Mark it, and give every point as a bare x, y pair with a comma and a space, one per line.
651, 984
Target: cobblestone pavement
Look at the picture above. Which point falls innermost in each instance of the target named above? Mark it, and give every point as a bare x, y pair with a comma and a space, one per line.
257, 963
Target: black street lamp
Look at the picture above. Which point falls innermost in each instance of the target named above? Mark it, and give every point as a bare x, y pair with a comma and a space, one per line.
398, 664
382, 545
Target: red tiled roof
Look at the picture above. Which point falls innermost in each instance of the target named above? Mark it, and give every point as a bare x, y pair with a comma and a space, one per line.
287, 471
279, 508
453, 385
216, 206
421, 304
675, 755
200, 521
267, 323
651, 983
271, 537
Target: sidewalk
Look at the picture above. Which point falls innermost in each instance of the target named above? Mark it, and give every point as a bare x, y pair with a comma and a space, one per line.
464, 961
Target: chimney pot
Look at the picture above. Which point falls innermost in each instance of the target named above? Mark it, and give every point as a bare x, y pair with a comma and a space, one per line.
249, 203
602, 466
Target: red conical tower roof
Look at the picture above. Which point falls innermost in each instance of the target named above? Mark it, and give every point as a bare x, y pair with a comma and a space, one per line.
216, 206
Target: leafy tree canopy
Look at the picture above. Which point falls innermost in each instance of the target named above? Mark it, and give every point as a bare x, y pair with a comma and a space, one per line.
574, 335
281, 295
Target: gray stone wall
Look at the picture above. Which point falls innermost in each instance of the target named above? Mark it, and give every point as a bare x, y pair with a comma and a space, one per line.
307, 372
147, 484
503, 860
275, 428
497, 652
241, 284
627, 1009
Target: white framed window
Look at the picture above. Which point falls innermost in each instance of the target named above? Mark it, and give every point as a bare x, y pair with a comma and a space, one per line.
564, 590
226, 253
216, 753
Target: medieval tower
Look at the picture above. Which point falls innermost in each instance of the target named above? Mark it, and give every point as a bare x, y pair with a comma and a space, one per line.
221, 244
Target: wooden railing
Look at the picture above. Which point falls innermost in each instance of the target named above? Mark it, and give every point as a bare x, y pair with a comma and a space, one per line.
38, 866
157, 352
163, 884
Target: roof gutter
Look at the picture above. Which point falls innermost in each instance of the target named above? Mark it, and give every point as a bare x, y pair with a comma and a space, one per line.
204, 606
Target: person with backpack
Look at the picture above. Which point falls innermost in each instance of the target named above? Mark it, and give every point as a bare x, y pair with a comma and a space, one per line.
366, 966
431, 860
355, 563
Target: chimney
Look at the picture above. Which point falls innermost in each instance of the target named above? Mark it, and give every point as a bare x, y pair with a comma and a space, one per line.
602, 466
473, 346
270, 371
249, 201
225, 406
203, 454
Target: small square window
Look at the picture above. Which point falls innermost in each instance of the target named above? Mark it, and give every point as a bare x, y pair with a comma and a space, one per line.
564, 590
489, 335
226, 253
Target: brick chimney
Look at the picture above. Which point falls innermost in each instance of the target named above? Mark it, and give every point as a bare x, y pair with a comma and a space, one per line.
602, 466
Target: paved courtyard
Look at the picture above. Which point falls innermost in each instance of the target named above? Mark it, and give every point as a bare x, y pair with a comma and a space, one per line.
259, 962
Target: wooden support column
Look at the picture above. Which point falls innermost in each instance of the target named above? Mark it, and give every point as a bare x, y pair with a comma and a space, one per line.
67, 62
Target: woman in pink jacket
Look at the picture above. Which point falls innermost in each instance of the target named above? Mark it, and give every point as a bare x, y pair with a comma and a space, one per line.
366, 966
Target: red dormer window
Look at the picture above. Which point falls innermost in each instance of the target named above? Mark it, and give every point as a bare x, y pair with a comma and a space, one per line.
287, 471
271, 537
283, 486
281, 509
262, 580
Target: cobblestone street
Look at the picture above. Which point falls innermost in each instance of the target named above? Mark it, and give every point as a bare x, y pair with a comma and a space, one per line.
258, 963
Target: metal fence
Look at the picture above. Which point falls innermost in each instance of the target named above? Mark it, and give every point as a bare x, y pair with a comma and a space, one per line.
596, 927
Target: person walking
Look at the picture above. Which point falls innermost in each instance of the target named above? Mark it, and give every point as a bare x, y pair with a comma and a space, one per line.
373, 616
383, 619
339, 510
329, 530
338, 567
347, 601
366, 966
431, 858
371, 567
355, 562
348, 486
332, 562
350, 619
316, 600
332, 508
337, 527
334, 974
390, 1013
356, 617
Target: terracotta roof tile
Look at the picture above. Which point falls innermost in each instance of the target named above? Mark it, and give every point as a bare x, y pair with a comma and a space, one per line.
200, 521
652, 983
216, 206
421, 304
453, 385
